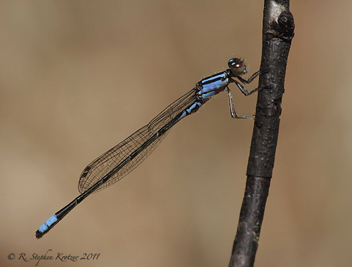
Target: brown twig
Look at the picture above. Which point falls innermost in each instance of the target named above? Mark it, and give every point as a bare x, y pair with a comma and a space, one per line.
278, 31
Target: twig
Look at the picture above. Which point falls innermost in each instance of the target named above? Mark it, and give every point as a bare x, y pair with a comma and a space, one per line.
278, 31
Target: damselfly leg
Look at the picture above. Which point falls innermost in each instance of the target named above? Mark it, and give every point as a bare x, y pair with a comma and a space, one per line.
244, 91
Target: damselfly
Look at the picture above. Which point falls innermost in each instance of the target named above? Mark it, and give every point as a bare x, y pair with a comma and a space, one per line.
120, 160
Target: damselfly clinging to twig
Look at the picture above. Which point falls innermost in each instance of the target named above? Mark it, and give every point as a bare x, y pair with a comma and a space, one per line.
120, 160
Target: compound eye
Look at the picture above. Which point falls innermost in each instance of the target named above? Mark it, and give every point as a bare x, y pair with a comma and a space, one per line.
237, 66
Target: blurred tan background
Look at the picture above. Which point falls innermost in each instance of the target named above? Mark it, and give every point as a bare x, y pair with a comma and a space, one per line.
77, 77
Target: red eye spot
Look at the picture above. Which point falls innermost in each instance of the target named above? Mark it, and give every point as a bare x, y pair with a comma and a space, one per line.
237, 66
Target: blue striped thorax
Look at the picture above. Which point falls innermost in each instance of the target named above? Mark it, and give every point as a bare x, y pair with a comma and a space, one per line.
213, 85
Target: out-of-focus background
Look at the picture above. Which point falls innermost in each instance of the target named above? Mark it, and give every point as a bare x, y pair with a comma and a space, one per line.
77, 77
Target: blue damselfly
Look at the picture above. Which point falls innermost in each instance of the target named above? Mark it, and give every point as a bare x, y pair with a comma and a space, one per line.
120, 160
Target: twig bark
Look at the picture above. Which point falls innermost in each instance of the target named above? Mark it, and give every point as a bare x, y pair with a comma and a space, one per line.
278, 31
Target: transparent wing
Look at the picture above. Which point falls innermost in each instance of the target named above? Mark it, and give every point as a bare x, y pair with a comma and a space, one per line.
102, 165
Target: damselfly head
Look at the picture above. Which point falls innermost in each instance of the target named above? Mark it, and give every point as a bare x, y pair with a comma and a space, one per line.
237, 66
